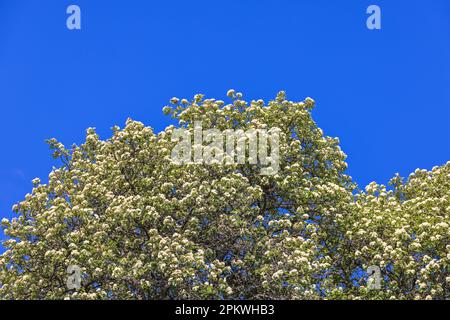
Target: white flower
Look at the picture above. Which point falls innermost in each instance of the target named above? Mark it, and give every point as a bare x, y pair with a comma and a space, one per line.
167, 110
277, 274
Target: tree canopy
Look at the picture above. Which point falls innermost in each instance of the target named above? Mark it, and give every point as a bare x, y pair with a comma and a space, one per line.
140, 226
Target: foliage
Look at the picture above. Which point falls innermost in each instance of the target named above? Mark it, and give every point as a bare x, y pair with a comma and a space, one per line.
142, 227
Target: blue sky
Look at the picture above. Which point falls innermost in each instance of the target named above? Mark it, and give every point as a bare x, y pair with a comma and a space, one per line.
385, 93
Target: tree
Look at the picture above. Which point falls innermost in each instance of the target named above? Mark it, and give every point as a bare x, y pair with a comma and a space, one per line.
140, 226
405, 231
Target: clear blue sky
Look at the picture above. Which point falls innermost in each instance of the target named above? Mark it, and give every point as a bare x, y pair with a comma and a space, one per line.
385, 93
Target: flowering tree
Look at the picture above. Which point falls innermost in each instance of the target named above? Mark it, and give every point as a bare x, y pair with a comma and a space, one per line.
404, 231
139, 226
